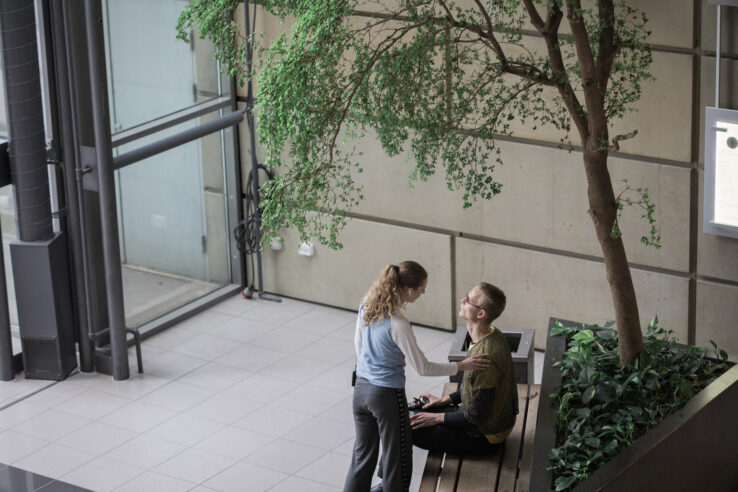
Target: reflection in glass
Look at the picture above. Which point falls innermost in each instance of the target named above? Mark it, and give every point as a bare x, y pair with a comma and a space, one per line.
172, 223
7, 223
150, 72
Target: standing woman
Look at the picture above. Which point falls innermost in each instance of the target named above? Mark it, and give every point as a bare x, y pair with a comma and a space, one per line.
383, 340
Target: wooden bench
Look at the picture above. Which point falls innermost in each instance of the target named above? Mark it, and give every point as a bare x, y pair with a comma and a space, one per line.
506, 471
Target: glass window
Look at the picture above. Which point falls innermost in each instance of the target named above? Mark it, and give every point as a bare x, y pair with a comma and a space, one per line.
173, 224
150, 72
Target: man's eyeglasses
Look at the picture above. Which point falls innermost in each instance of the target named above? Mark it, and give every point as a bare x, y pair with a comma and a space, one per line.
465, 300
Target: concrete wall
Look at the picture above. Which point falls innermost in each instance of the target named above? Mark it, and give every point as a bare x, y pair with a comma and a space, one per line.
535, 240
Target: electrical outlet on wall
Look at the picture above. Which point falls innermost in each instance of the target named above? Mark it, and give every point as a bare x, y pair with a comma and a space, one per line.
306, 249
276, 243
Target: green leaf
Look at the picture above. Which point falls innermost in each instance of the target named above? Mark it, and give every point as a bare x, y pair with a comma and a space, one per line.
588, 395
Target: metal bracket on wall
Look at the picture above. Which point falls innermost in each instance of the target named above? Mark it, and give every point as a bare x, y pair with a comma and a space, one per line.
88, 168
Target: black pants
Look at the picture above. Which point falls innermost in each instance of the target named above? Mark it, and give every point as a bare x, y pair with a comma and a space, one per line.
454, 440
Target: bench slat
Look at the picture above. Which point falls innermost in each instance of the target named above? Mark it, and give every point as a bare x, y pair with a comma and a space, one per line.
511, 454
530, 430
430, 473
449, 473
479, 473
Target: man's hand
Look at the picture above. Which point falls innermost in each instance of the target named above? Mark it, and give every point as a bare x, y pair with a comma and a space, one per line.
474, 363
435, 401
425, 419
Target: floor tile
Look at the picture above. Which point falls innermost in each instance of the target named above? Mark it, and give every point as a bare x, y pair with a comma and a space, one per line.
321, 321
206, 347
54, 460
338, 378
14, 446
234, 442
251, 358
346, 447
261, 387
285, 456
56, 394
215, 376
135, 387
292, 484
97, 438
241, 330
204, 322
102, 474
138, 416
345, 332
155, 482
17, 413
277, 313
171, 338
224, 408
330, 469
297, 369
186, 429
51, 425
88, 379
272, 420
285, 340
93, 404
329, 350
234, 478
177, 396
343, 411
310, 399
145, 451
235, 305
171, 365
322, 433
194, 465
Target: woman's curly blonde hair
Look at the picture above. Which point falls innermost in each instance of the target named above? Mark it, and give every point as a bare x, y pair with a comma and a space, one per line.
385, 294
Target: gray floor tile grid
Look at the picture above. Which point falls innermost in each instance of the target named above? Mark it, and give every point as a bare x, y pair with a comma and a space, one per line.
248, 395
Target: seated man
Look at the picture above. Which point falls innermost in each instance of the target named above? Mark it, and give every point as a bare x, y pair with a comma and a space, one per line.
488, 398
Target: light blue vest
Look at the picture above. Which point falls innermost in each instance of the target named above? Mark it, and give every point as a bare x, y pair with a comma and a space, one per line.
381, 361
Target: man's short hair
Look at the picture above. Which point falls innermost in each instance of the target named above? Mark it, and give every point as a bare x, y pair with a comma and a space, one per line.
493, 301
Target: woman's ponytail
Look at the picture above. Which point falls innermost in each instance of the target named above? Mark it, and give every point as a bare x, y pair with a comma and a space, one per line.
385, 294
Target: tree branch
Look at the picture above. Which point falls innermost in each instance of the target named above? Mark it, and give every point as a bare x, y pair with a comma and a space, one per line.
550, 31
615, 147
607, 49
593, 97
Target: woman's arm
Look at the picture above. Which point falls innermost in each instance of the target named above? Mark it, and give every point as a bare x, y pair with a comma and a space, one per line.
403, 336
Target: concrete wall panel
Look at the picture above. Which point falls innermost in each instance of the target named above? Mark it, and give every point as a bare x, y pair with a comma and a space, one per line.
541, 285
663, 113
342, 278
544, 203
729, 21
717, 312
390, 194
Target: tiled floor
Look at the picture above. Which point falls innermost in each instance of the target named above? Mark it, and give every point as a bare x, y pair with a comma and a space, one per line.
250, 395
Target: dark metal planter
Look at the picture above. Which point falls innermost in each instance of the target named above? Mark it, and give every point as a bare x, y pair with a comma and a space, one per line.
521, 345
692, 449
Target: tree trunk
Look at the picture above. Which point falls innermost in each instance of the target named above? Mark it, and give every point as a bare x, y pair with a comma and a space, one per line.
603, 210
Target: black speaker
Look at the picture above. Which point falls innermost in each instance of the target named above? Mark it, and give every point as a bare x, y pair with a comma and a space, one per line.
41, 278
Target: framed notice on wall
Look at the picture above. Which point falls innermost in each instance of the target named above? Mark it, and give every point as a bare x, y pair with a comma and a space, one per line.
721, 172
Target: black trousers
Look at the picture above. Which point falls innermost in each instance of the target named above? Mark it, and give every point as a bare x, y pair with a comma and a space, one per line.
454, 440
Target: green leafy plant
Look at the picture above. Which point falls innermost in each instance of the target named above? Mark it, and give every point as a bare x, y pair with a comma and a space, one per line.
602, 407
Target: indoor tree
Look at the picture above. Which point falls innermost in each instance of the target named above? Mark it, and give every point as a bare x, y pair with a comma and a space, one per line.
442, 79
